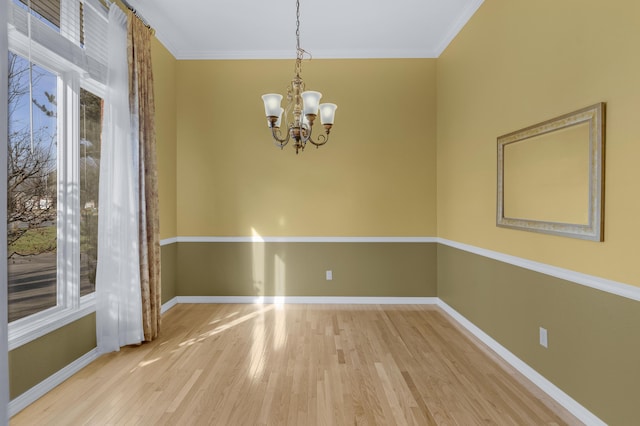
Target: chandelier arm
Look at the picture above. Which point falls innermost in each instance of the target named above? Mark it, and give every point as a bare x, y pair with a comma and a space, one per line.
278, 140
322, 139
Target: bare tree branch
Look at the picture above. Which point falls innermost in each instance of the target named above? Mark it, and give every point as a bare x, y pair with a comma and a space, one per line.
31, 168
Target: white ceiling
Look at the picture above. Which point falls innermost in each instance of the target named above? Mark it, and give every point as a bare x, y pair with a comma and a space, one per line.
265, 29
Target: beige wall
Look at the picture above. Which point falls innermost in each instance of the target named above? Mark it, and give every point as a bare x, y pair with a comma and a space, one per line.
165, 81
375, 177
519, 63
165, 78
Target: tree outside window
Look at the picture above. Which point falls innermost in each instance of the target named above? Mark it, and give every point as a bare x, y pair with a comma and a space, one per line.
33, 185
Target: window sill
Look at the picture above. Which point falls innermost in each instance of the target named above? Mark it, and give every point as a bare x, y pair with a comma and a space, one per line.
28, 329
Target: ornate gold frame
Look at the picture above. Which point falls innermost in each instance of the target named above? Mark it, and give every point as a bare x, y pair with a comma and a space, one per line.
594, 116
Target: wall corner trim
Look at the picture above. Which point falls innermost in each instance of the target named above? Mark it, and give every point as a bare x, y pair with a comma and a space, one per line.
602, 284
545, 385
21, 402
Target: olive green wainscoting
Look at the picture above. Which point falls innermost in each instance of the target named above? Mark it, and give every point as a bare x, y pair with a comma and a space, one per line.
593, 336
168, 254
39, 359
298, 269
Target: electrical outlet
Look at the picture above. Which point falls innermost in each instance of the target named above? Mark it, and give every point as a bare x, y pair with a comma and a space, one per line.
544, 339
329, 275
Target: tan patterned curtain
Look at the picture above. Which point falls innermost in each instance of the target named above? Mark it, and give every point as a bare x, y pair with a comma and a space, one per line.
143, 110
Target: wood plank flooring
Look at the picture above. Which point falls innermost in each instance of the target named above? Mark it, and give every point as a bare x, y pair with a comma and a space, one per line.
300, 365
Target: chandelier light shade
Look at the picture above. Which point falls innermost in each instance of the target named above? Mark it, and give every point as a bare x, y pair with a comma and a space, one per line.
299, 115
327, 113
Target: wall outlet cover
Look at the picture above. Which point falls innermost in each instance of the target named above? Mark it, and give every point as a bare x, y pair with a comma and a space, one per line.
544, 340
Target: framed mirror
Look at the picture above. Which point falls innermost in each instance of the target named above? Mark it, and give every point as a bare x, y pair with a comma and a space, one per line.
551, 176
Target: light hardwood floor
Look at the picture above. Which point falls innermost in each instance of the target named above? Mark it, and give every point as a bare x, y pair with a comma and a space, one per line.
300, 365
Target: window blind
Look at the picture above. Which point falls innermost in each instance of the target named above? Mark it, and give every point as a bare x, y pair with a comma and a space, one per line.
95, 31
74, 31
49, 10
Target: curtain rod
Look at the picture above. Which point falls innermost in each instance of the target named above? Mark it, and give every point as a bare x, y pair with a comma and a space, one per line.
135, 12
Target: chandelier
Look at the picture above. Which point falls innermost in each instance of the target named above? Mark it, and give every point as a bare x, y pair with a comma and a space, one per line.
301, 110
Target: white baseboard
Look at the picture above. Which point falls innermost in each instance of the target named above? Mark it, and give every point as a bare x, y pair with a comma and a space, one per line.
168, 305
330, 300
538, 379
20, 403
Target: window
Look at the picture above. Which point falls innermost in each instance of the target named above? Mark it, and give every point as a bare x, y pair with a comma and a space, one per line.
31, 188
57, 70
90, 131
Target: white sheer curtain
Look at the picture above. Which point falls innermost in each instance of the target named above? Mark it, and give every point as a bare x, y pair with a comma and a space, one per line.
4, 374
118, 299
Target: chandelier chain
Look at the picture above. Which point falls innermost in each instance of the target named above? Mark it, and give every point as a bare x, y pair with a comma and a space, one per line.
300, 52
298, 26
